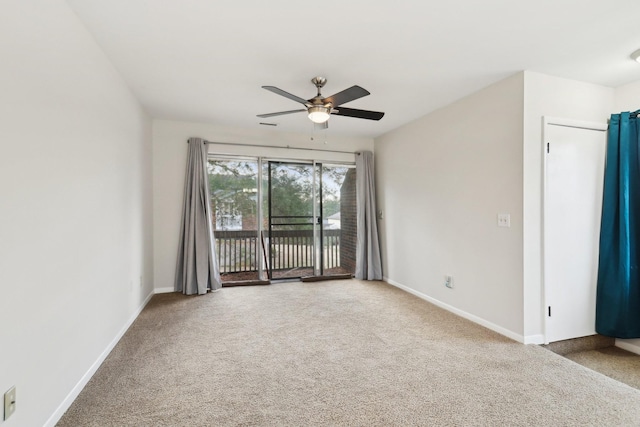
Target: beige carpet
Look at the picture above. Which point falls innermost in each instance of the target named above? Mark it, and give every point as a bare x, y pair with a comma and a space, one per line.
613, 362
338, 353
599, 353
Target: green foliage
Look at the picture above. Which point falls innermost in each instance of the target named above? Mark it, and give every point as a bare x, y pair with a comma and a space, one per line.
291, 190
233, 186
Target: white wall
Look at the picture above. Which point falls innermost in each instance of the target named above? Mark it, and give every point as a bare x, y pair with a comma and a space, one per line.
555, 97
75, 204
627, 98
441, 182
170, 159
431, 174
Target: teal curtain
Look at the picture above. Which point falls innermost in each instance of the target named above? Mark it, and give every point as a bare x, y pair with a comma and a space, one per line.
618, 296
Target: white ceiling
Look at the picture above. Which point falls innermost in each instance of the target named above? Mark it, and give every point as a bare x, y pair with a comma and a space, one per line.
206, 60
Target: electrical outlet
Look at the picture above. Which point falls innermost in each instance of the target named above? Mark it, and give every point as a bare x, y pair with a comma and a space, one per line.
504, 220
9, 402
448, 281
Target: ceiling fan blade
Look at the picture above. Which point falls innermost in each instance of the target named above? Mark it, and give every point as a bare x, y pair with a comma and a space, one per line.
360, 114
285, 94
321, 126
347, 95
280, 113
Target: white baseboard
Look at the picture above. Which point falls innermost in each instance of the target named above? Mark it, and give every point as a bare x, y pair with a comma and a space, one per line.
472, 317
163, 290
534, 339
625, 345
66, 403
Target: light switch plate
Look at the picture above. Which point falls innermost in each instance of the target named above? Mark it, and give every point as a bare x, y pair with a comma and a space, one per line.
9, 402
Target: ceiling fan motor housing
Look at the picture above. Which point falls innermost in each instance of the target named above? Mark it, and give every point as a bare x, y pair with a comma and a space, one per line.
319, 111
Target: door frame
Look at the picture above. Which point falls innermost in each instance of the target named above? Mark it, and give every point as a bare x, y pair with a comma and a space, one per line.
546, 122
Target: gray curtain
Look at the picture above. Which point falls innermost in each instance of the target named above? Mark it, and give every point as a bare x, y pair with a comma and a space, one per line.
368, 264
197, 267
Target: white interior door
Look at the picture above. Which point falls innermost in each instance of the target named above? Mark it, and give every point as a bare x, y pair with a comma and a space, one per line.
573, 203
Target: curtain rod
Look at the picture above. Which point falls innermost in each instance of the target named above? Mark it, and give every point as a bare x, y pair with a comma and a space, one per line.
281, 146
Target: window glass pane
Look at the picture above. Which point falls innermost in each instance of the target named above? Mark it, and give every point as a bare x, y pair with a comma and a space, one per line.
338, 219
234, 199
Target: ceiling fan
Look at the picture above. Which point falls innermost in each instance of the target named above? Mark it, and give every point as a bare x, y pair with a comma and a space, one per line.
320, 108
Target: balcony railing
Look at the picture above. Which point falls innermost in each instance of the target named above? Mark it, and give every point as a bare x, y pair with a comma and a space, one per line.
238, 251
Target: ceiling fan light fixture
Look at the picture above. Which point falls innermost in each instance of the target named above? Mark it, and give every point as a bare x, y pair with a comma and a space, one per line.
636, 55
318, 114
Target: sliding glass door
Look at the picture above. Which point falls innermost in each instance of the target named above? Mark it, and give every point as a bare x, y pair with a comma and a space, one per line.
281, 220
292, 212
233, 185
338, 207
